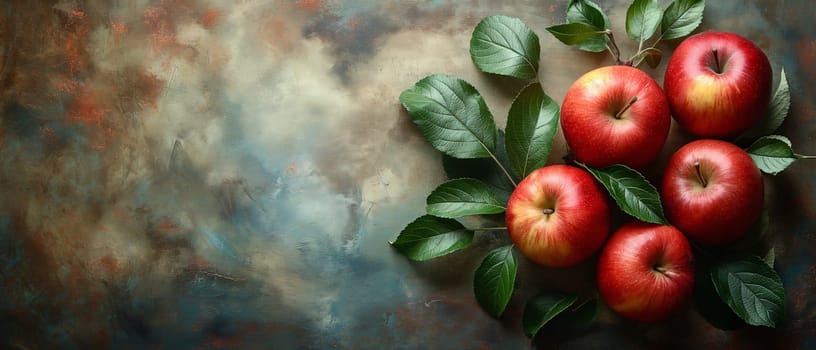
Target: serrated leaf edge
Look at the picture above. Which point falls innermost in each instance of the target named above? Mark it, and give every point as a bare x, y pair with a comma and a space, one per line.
562, 305
511, 271
526, 170
772, 275
534, 67
660, 215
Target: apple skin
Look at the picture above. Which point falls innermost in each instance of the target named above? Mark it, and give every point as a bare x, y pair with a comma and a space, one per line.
574, 230
646, 271
722, 105
726, 206
595, 130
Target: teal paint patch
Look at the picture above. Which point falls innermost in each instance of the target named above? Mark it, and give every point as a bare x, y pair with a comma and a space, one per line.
11, 251
218, 242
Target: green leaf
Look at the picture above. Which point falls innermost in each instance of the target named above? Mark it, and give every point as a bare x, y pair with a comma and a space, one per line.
542, 308
642, 19
494, 280
484, 169
779, 107
575, 33
588, 12
429, 237
772, 154
681, 18
506, 46
580, 317
777, 111
708, 303
752, 289
452, 116
462, 197
632, 192
531, 126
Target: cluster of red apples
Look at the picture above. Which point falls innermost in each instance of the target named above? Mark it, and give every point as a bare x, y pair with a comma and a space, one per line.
717, 85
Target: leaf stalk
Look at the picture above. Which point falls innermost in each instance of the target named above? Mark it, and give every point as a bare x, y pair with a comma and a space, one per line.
503, 169
613, 47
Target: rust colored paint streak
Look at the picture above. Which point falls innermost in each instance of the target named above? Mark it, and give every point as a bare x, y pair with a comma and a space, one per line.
210, 18
352, 23
170, 228
276, 32
74, 52
310, 5
87, 108
109, 263
162, 30
225, 342
119, 28
75, 49
67, 84
150, 87
160, 20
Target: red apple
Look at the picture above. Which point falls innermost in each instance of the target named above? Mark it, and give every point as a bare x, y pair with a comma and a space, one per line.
718, 84
615, 115
712, 191
645, 271
558, 216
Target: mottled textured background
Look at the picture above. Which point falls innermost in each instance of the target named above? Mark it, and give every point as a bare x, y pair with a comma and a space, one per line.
222, 174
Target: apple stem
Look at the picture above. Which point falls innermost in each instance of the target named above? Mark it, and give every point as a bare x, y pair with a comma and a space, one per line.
613, 47
700, 174
717, 67
548, 211
625, 108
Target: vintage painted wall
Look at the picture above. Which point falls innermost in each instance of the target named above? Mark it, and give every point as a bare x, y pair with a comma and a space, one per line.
227, 174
